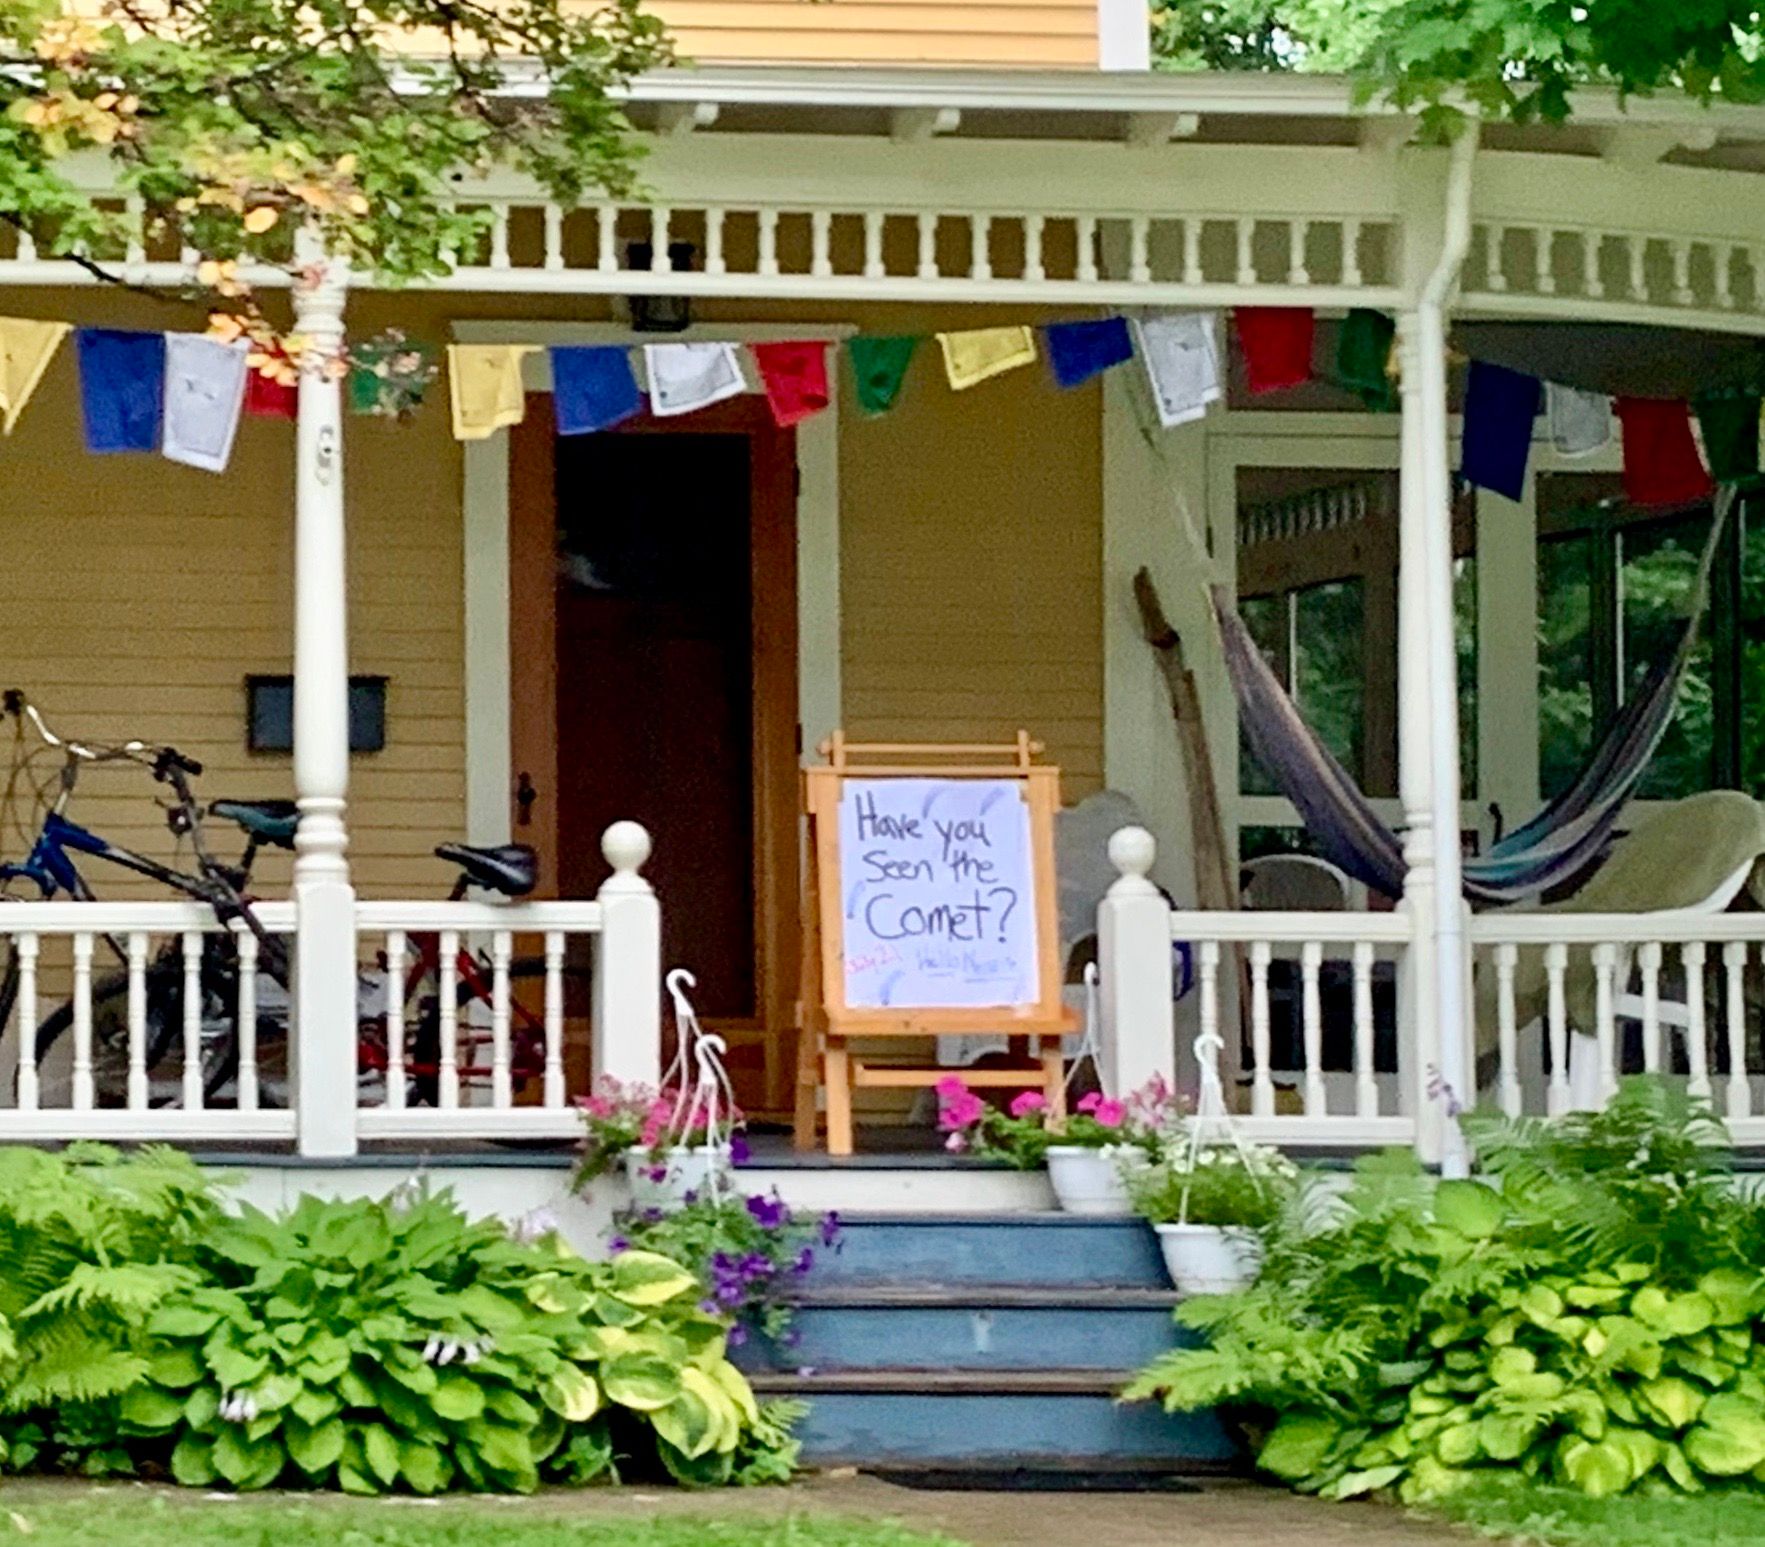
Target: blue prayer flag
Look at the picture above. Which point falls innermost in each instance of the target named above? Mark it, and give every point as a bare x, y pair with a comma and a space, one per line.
122, 388
593, 388
1077, 351
1500, 406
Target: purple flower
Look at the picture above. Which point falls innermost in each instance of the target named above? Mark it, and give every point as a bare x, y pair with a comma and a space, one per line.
652, 1216
769, 1213
756, 1265
738, 1149
738, 1334
830, 1228
805, 1261
709, 1307
618, 1244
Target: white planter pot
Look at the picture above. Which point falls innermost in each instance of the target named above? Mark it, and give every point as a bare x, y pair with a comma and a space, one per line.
686, 1169
1088, 1180
1210, 1259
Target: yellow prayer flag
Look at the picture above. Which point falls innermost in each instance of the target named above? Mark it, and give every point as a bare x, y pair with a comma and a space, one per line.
26, 348
973, 356
484, 386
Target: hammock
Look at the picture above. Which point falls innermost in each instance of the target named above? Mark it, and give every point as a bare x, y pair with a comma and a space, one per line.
1556, 846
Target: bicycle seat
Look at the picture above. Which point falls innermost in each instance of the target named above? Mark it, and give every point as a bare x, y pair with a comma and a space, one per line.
268, 821
509, 868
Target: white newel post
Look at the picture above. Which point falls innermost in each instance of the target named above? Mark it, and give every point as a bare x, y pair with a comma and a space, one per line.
324, 1051
628, 964
1138, 1036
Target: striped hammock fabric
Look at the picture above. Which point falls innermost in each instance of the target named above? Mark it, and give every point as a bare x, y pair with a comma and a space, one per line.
1562, 842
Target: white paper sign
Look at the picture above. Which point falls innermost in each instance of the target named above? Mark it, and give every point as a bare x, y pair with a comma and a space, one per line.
938, 892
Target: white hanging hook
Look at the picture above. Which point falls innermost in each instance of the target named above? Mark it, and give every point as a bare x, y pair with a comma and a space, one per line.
1091, 1043
707, 1097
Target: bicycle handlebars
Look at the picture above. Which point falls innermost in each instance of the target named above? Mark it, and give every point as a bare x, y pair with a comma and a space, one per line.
165, 759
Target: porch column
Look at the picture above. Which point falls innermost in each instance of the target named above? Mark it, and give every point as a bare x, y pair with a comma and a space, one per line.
323, 1034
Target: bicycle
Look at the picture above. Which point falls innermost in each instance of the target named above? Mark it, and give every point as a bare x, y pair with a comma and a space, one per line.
51, 870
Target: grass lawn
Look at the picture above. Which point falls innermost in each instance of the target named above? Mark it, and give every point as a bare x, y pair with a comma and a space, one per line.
122, 1516
1562, 1518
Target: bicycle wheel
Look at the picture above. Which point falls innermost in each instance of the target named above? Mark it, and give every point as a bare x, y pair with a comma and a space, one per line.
423, 1030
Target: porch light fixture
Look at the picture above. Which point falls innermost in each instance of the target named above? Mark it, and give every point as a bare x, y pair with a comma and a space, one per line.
660, 313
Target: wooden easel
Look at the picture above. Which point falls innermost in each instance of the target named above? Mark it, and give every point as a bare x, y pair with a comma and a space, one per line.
824, 1057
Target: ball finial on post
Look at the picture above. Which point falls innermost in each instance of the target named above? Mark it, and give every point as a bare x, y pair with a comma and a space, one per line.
626, 847
1132, 851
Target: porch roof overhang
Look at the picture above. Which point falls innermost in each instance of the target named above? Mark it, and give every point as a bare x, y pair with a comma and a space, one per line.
1122, 188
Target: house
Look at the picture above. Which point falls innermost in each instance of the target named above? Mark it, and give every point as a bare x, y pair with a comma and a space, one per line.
567, 632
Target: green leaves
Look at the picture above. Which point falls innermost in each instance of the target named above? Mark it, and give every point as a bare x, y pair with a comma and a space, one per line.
1468, 1209
641, 1278
1729, 1438
1298, 1445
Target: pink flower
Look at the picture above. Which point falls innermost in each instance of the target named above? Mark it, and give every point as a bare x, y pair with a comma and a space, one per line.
1030, 1101
956, 1144
958, 1106
1088, 1104
1109, 1114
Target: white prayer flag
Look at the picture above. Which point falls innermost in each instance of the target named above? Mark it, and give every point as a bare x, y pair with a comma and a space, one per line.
204, 392
1182, 363
1580, 422
684, 377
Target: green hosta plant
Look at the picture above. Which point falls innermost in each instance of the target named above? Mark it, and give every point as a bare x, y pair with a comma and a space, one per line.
1594, 1316
374, 1346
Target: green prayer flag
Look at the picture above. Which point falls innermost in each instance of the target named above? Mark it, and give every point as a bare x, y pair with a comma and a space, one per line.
1731, 436
880, 366
1363, 358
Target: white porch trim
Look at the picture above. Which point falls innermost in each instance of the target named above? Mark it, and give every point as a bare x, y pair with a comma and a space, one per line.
485, 518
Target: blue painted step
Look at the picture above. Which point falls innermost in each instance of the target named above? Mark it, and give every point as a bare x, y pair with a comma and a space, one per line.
995, 1421
974, 1328
1020, 1249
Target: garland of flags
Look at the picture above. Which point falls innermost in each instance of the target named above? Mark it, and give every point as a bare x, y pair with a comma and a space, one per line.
183, 394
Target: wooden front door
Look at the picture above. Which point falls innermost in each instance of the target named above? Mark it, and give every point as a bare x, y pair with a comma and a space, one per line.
653, 606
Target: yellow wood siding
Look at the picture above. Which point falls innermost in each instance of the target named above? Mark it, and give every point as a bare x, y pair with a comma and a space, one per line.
1045, 34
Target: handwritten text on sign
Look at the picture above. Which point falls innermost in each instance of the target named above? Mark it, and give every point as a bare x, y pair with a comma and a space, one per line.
937, 886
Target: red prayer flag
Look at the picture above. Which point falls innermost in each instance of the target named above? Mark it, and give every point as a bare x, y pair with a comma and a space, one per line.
1661, 462
1277, 345
794, 374
266, 398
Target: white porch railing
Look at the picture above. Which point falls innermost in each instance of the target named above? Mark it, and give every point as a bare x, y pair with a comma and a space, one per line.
462, 1013
1568, 1003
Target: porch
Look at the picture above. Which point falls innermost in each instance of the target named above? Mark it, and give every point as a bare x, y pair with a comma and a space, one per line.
931, 206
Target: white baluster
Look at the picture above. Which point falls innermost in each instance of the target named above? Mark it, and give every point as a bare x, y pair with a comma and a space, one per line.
1496, 239
1246, 262
1311, 959
769, 241
554, 1018
395, 991
1351, 252
927, 226
248, 1070
873, 244
821, 244
26, 948
1208, 970
82, 1080
1033, 267
501, 1086
1140, 250
1592, 284
715, 262
1605, 966
499, 237
1682, 290
1637, 250
1648, 961
192, 947
1556, 964
1262, 1085
1722, 258
1192, 250
1298, 233
1506, 958
1734, 963
137, 953
1087, 249
661, 218
1366, 1076
554, 237
27, 253
1697, 1055
606, 218
448, 1070
980, 247
1544, 260
135, 211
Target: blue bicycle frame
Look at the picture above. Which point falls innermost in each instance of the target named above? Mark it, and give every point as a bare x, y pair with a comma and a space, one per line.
51, 869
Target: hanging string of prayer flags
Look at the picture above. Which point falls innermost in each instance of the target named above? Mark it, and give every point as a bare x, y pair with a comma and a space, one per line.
1580, 421
1729, 423
204, 393
27, 345
1277, 343
1661, 465
879, 366
1500, 407
979, 354
485, 389
686, 377
1078, 351
1181, 355
1363, 358
593, 388
269, 395
122, 388
794, 376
